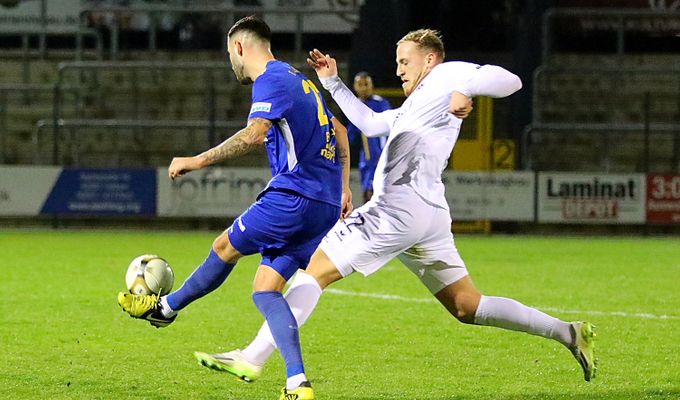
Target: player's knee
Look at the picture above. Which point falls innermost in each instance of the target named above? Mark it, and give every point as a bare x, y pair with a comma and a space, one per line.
322, 269
323, 278
466, 307
224, 249
461, 299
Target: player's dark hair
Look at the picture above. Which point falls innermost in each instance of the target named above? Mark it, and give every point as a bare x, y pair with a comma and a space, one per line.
252, 24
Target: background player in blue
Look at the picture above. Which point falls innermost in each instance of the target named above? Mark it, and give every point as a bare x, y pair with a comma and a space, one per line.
370, 147
309, 188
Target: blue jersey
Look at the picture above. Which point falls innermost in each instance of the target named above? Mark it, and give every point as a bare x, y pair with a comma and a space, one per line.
301, 143
371, 148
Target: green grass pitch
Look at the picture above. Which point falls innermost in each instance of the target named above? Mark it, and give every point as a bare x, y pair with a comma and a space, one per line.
63, 336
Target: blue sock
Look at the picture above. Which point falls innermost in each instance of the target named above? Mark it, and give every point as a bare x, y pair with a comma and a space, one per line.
283, 327
206, 278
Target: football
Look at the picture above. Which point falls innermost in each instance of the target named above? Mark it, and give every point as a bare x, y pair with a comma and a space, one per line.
149, 274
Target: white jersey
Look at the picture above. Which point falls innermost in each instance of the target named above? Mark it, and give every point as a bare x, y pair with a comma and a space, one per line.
422, 132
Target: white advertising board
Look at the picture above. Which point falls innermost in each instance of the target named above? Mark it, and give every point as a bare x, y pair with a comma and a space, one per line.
23, 190
23, 15
227, 192
498, 196
211, 192
218, 192
591, 198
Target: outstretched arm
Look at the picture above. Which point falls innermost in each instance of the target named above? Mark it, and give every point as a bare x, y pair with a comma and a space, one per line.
367, 120
481, 80
243, 142
343, 153
489, 80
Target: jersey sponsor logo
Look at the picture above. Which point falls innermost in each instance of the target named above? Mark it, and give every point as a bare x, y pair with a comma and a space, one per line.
261, 107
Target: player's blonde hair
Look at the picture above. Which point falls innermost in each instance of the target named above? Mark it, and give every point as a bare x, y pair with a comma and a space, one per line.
428, 39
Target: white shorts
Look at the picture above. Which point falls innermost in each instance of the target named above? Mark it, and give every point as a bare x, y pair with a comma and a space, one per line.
416, 232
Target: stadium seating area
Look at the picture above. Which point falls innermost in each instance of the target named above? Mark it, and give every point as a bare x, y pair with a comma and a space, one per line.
192, 90
172, 90
590, 111
582, 89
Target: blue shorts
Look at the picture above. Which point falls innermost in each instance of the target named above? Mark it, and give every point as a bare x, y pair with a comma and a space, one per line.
285, 228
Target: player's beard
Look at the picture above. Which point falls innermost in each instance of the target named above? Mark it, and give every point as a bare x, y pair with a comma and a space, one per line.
412, 85
407, 89
239, 71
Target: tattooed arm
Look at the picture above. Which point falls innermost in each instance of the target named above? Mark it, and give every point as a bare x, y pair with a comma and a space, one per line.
243, 142
343, 152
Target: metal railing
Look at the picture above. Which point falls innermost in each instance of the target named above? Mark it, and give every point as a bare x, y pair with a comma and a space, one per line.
74, 129
25, 96
25, 92
639, 147
616, 20
65, 99
602, 92
604, 118
205, 69
607, 115
42, 35
227, 15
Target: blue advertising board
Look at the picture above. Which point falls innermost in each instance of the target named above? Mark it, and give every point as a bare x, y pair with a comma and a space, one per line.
103, 192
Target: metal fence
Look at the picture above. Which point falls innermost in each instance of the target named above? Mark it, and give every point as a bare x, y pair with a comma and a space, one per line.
203, 93
604, 118
605, 94
126, 86
130, 143
18, 99
42, 34
611, 148
227, 15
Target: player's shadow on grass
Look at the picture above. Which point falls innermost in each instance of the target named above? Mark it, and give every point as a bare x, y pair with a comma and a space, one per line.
648, 393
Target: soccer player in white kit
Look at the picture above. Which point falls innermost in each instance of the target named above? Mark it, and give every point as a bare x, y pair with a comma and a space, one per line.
408, 216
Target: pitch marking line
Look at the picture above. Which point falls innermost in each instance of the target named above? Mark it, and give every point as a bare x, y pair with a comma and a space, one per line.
382, 296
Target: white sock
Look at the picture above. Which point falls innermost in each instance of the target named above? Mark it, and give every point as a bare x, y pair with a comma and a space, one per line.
261, 348
294, 381
513, 315
165, 308
302, 297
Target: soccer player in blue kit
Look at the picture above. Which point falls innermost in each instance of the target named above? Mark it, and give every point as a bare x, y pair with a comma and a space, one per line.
308, 192
370, 147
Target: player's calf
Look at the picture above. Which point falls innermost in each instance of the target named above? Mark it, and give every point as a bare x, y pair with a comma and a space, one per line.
461, 299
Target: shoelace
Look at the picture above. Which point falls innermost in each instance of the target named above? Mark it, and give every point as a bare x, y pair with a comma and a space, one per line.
143, 303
